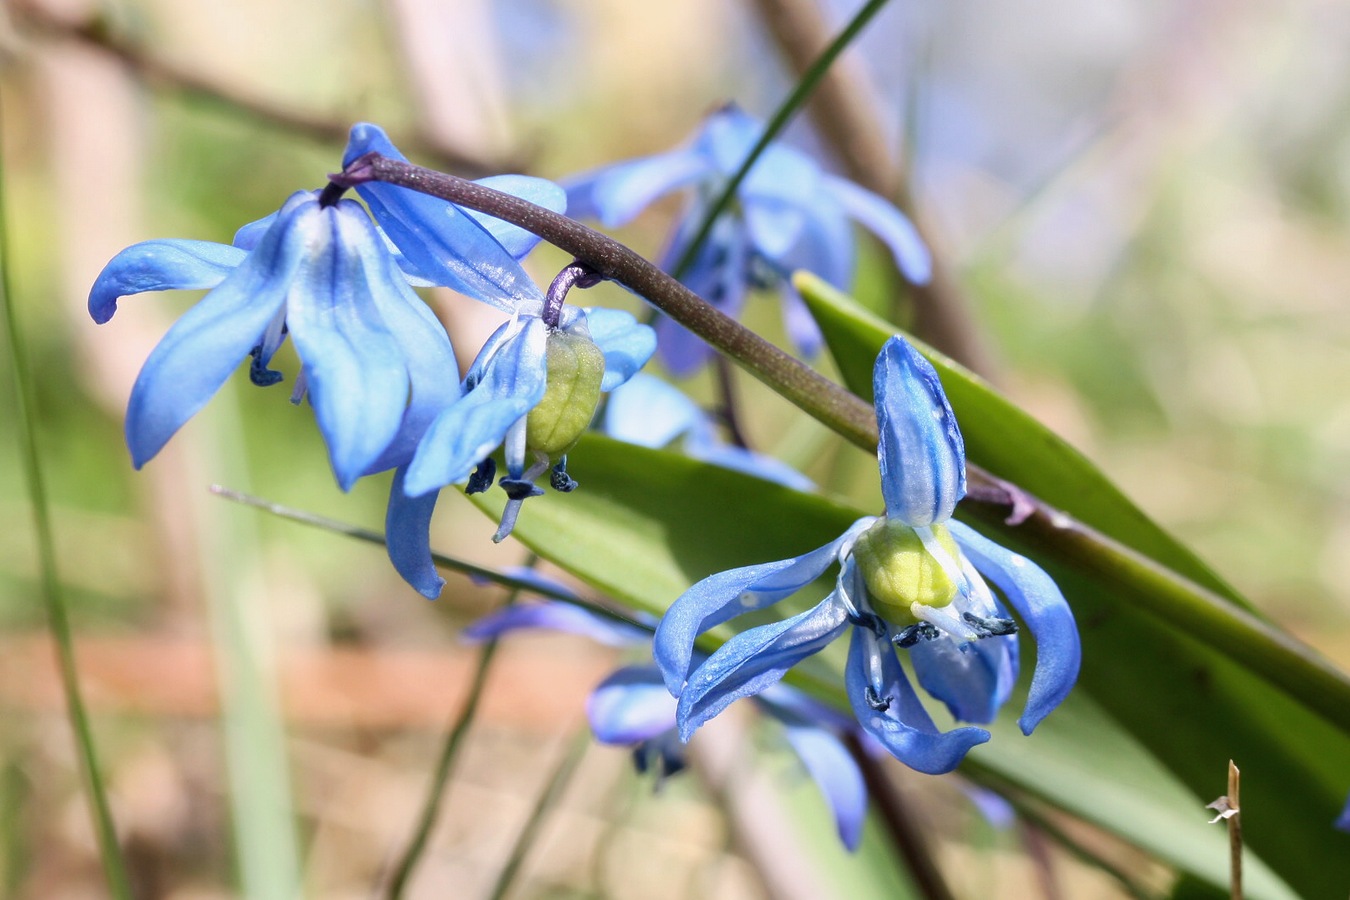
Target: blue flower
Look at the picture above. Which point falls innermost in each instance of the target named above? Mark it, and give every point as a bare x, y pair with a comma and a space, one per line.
374, 358
912, 578
653, 413
533, 388
631, 707
788, 215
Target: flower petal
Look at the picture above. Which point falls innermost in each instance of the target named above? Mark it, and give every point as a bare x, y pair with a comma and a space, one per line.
738, 459
626, 343
358, 382
407, 530
503, 387
208, 342
835, 772
903, 727
442, 241
539, 191
755, 659
1342, 822
557, 616
630, 706
616, 194
725, 595
1039, 602
160, 265
920, 449
974, 679
649, 412
885, 221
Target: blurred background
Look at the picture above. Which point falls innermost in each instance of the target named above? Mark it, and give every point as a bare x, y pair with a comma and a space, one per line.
1145, 208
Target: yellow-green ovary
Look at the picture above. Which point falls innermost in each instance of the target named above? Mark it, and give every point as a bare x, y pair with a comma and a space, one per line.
899, 571
575, 369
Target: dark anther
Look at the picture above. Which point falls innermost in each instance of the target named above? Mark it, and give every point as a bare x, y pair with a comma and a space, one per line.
991, 626
875, 700
922, 631
258, 373
869, 621
332, 192
481, 479
520, 489
559, 480
575, 274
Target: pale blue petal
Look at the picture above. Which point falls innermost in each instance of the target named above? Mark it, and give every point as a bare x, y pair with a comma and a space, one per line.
799, 324
160, 265
247, 237
209, 341
835, 772
357, 379
557, 616
755, 659
407, 531
531, 578
904, 728
727, 137
539, 191
895, 230
616, 194
1043, 608
649, 412
792, 707
826, 247
774, 227
992, 807
920, 449
626, 343
974, 679
630, 706
725, 595
442, 242
510, 383
719, 275
738, 459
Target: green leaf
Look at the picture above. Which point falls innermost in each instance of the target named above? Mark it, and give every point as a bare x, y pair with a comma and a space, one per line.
644, 525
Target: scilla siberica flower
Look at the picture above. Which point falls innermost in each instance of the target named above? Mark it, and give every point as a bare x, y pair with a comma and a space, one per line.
910, 578
632, 708
788, 214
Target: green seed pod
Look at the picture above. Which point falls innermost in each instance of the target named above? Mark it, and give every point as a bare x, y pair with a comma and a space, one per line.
899, 570
575, 369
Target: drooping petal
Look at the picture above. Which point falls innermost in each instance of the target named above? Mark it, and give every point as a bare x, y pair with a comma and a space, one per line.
719, 275
729, 456
539, 191
358, 381
441, 240
885, 221
1039, 602
629, 706
616, 194
626, 343
509, 384
203, 347
160, 265
725, 595
558, 616
407, 530
649, 412
826, 247
834, 771
247, 237
755, 659
920, 449
778, 197
890, 711
727, 136
974, 679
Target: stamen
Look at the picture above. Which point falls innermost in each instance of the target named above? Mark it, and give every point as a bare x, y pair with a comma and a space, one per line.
559, 480
990, 626
520, 489
914, 634
482, 476
258, 373
875, 700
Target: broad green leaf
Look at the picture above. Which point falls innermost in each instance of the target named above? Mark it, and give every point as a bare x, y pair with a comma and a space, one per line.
645, 524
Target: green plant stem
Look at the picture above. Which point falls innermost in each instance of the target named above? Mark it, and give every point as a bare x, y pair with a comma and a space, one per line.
114, 867
553, 791
803, 88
